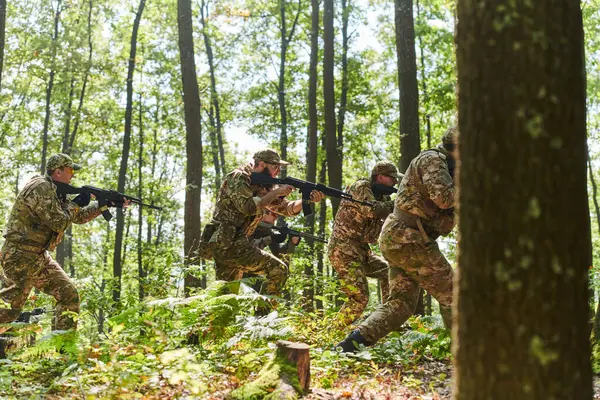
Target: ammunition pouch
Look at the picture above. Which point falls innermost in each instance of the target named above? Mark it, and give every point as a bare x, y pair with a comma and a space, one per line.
414, 222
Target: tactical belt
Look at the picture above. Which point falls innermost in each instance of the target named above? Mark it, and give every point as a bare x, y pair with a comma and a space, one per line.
412, 222
26, 247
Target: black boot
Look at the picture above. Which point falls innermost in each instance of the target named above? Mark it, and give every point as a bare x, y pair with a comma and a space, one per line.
352, 342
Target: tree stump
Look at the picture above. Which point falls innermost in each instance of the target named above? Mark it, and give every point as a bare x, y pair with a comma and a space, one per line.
287, 376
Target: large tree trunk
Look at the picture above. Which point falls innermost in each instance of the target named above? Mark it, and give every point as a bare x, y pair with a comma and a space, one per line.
140, 260
424, 86
117, 260
2, 34
334, 164
284, 43
410, 141
319, 290
86, 76
344, 94
50, 86
524, 237
214, 113
311, 146
191, 101
64, 251
106, 249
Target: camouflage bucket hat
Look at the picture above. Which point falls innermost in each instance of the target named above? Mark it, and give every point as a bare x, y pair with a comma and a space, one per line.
61, 160
270, 157
386, 168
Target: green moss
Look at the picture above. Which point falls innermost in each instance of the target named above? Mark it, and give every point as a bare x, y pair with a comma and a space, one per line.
277, 380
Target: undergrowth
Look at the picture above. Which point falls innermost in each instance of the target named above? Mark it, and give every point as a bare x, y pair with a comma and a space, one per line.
207, 344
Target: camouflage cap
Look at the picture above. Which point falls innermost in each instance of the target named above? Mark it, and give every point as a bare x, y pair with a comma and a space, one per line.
61, 160
450, 137
270, 157
385, 168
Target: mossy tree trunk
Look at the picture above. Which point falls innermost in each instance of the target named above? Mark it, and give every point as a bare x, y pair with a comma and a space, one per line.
521, 316
287, 376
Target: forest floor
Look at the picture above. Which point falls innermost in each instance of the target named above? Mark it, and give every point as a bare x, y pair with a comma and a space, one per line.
147, 354
423, 382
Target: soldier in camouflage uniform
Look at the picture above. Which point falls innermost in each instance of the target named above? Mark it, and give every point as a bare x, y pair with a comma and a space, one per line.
278, 243
423, 210
238, 211
355, 227
35, 227
265, 236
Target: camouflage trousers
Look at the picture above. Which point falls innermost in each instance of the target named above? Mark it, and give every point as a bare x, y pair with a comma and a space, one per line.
412, 266
232, 262
354, 262
23, 271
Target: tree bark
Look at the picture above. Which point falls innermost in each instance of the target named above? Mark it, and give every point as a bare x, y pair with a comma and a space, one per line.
191, 101
63, 247
320, 247
311, 147
424, 83
410, 141
117, 260
86, 76
521, 314
2, 35
313, 117
334, 159
287, 376
64, 251
344, 94
50, 86
284, 43
214, 114
140, 259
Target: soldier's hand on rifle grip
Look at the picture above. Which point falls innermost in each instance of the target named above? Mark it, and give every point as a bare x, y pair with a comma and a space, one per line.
126, 203
284, 190
82, 199
316, 196
295, 240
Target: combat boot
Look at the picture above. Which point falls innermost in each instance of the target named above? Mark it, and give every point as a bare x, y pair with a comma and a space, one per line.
353, 342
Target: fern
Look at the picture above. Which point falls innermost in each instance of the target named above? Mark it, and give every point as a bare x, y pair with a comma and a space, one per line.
52, 344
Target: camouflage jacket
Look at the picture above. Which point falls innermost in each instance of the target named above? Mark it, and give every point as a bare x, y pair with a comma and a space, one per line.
358, 222
39, 217
263, 237
427, 191
236, 211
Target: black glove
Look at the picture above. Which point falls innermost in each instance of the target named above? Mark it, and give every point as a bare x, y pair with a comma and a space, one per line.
83, 199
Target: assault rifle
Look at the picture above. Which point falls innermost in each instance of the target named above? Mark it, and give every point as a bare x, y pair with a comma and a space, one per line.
380, 188
110, 198
305, 188
285, 230
25, 316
